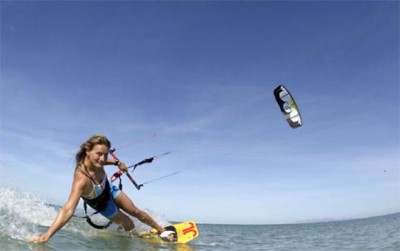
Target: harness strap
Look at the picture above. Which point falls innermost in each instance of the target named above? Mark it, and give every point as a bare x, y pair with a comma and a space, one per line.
115, 176
88, 220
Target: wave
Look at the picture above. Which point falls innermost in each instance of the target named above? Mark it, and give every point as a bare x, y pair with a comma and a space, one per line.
23, 215
22, 212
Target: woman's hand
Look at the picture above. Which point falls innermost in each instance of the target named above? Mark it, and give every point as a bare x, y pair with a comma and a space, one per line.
122, 167
39, 239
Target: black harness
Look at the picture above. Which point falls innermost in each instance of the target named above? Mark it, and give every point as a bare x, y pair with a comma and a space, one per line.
99, 204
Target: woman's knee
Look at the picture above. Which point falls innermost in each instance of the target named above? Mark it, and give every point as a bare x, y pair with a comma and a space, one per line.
123, 220
128, 225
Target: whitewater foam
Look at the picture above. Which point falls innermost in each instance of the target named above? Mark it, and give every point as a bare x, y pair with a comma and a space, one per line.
23, 215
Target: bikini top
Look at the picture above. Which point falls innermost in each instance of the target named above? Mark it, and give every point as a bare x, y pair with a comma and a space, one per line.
97, 189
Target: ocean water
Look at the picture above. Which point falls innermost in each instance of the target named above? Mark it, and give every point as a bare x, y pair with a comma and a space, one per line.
23, 215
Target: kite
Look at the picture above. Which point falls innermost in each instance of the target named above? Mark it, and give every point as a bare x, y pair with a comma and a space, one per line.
288, 106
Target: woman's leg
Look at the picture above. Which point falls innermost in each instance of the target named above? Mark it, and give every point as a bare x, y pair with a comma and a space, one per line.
126, 204
124, 220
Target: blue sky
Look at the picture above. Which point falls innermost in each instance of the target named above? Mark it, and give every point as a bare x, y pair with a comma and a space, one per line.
200, 75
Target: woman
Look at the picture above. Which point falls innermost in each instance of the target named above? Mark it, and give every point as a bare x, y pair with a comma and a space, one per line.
91, 183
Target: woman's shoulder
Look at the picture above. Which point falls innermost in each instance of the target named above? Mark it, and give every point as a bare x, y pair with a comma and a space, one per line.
80, 177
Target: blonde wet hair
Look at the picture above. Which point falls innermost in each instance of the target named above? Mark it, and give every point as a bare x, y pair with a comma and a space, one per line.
97, 139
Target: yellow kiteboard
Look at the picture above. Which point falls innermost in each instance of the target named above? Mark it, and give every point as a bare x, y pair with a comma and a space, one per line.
177, 233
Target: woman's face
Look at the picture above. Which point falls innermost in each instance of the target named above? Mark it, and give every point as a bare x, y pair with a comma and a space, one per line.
98, 155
